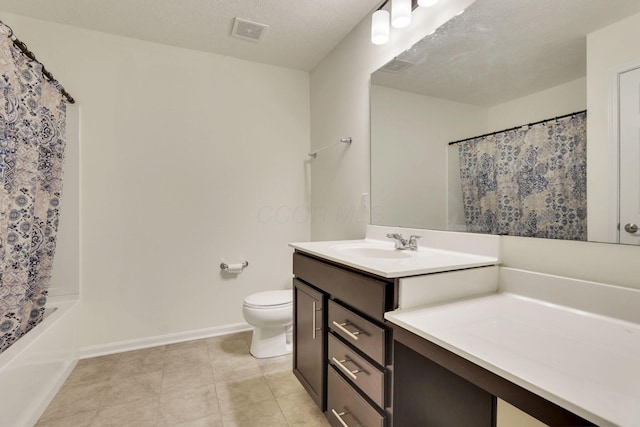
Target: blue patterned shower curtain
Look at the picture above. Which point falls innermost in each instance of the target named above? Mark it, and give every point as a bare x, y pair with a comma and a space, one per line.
528, 182
32, 141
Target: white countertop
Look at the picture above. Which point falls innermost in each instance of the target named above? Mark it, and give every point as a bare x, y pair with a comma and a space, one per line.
425, 260
584, 362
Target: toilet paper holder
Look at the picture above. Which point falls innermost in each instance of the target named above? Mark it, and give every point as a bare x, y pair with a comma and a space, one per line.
226, 267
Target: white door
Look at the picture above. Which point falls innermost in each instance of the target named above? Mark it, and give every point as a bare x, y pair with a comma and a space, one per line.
630, 157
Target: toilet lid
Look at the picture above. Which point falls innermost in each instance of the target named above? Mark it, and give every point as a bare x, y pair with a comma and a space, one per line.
270, 298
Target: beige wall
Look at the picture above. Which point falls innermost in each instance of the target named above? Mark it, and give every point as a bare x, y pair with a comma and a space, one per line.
607, 50
510, 416
188, 159
339, 102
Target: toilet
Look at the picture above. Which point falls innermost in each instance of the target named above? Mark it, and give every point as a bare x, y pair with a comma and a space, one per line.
271, 315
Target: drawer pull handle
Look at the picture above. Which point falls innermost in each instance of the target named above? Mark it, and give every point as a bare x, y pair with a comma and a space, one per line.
341, 326
313, 320
339, 364
339, 417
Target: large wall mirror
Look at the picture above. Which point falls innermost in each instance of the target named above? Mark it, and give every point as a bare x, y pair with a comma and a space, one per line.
510, 119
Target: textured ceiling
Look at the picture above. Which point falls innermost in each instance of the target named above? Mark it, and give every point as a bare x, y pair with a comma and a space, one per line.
499, 50
301, 32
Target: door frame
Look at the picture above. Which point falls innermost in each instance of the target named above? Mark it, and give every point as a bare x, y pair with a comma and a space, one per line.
613, 226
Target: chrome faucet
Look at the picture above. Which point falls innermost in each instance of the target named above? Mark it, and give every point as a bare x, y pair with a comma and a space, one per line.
402, 243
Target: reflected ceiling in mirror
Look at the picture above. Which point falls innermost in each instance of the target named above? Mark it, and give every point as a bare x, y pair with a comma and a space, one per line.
499, 50
500, 64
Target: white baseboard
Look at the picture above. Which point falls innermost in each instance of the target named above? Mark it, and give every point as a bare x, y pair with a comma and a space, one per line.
137, 344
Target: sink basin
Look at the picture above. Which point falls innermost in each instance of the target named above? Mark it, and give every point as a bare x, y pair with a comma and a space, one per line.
374, 251
381, 258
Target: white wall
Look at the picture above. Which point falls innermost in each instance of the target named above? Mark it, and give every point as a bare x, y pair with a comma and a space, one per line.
340, 107
563, 99
188, 159
339, 103
409, 155
607, 49
599, 262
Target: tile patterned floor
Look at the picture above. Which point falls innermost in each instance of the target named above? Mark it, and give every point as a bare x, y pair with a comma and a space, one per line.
213, 382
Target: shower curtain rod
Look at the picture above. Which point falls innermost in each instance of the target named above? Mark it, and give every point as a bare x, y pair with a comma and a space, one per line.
520, 127
24, 49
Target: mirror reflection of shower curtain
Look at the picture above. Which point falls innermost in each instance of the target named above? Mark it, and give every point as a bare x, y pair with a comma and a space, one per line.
527, 182
32, 142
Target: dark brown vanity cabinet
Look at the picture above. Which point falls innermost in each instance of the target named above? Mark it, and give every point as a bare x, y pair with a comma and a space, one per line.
353, 409
362, 371
310, 340
435, 387
431, 395
346, 365
356, 393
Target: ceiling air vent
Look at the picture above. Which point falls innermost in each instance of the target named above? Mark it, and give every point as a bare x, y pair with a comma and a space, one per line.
248, 30
396, 65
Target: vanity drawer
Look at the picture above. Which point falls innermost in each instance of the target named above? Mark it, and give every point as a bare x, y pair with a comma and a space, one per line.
362, 292
345, 407
359, 332
363, 374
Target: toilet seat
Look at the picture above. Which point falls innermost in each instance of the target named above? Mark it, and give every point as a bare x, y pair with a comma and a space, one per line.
269, 299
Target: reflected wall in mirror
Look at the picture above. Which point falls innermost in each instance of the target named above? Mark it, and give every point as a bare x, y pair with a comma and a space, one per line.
499, 65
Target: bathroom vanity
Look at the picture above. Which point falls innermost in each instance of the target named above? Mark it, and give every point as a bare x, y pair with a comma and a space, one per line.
386, 338
562, 350
343, 348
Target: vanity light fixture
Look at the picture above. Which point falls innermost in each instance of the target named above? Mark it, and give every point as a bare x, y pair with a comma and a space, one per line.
427, 3
400, 13
380, 27
400, 17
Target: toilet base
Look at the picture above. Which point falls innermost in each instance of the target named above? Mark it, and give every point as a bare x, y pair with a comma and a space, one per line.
270, 342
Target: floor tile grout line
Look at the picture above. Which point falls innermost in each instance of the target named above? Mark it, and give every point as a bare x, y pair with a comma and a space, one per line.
93, 418
264, 370
215, 386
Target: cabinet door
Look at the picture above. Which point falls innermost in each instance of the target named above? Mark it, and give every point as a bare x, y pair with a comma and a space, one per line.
309, 346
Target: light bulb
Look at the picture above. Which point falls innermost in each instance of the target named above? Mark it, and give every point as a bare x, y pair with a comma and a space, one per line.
380, 27
400, 13
427, 3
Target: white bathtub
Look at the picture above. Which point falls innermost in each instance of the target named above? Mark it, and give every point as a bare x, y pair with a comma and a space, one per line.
33, 369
